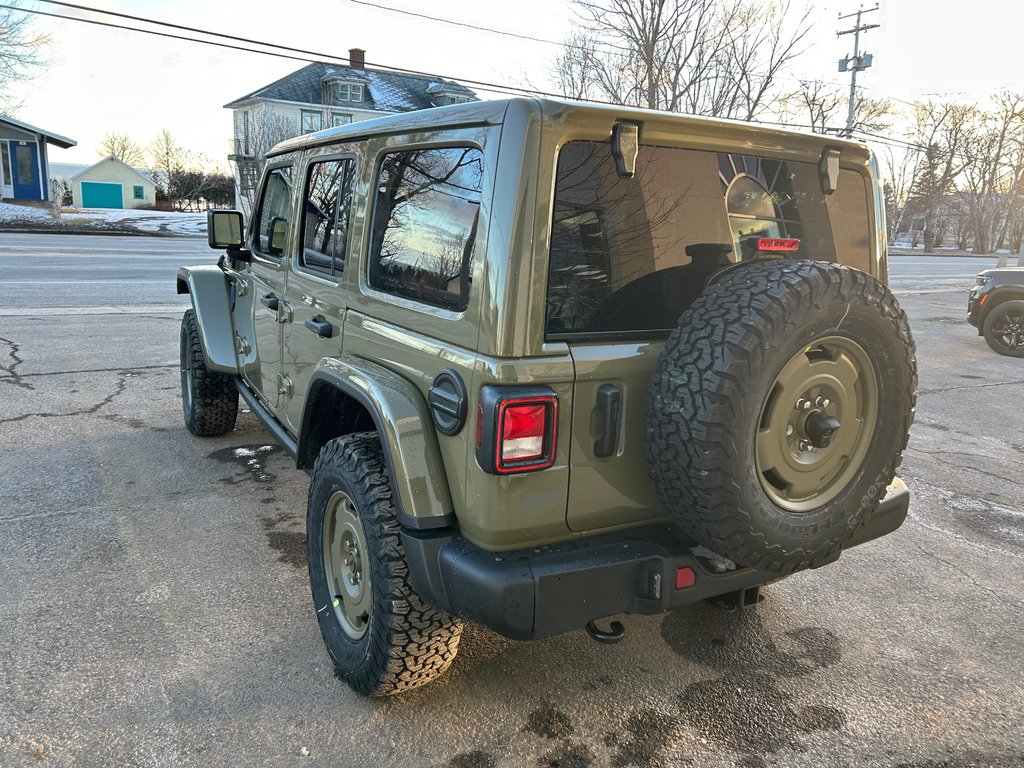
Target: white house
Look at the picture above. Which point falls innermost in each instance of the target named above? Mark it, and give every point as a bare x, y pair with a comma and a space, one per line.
24, 165
323, 96
111, 183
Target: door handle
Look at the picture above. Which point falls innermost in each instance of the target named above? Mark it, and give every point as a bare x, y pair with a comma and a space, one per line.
609, 399
321, 328
270, 301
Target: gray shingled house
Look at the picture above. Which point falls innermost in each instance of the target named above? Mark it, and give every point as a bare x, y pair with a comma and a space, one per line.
322, 96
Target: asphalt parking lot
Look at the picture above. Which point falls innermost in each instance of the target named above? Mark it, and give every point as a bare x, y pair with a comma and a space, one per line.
154, 607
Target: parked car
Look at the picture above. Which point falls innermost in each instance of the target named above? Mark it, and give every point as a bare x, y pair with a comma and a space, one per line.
548, 363
995, 307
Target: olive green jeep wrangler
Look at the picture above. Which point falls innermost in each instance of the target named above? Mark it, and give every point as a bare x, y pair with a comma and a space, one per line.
547, 363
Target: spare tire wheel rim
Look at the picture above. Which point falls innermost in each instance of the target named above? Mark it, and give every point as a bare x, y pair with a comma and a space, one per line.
346, 565
816, 424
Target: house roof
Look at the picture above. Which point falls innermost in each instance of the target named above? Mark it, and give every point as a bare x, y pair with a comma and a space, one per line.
117, 160
50, 138
386, 91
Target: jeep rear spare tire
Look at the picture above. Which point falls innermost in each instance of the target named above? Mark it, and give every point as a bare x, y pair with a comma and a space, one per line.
779, 411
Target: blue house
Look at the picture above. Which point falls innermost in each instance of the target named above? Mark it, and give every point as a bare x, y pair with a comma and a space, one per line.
24, 167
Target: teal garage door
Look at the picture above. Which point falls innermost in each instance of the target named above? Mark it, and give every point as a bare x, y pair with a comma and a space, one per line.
101, 194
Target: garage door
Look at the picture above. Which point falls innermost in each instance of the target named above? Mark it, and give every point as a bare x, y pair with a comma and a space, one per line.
101, 194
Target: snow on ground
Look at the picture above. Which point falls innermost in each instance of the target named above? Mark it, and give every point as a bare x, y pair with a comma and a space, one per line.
166, 222
10, 212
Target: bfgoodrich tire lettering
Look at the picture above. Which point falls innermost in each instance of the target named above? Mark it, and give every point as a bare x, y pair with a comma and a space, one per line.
209, 399
744, 382
400, 643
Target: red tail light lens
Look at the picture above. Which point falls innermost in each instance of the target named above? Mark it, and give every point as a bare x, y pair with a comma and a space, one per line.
517, 428
777, 245
522, 431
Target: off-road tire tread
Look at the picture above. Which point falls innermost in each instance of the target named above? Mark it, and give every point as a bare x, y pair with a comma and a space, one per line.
214, 396
717, 347
412, 643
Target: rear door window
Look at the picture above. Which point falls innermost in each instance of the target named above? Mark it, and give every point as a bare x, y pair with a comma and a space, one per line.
618, 261
425, 220
326, 207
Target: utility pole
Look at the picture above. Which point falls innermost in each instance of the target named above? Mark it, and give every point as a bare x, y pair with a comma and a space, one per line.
857, 62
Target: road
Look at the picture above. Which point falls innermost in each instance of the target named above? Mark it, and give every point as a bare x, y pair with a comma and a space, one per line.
154, 607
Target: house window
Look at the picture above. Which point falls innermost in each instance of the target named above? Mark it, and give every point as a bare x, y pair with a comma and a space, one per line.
138, 193
424, 225
311, 121
5, 163
246, 121
340, 118
352, 92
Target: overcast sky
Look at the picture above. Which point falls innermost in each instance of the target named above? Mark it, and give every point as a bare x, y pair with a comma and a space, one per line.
102, 80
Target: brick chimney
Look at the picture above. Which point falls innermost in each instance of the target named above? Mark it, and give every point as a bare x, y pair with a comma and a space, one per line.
357, 58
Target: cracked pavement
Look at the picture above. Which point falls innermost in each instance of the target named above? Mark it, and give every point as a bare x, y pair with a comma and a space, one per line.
154, 607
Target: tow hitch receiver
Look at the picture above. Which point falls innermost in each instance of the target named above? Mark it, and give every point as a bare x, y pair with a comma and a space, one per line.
741, 598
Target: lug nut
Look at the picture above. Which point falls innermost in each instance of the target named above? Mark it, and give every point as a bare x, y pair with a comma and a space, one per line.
804, 445
789, 430
800, 404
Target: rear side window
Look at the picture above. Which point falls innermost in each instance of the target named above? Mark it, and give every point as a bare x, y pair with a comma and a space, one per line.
326, 207
618, 262
425, 218
272, 220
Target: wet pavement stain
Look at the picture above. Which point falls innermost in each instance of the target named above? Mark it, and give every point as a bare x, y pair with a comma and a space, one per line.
290, 544
475, 759
567, 754
647, 734
747, 711
250, 462
549, 722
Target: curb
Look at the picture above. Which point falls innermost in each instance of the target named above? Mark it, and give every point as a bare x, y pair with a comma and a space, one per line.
939, 255
106, 232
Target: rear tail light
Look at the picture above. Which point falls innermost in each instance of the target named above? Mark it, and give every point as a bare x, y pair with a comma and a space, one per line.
777, 245
517, 427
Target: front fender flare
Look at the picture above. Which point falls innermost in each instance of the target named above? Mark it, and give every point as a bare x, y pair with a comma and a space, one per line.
407, 435
210, 291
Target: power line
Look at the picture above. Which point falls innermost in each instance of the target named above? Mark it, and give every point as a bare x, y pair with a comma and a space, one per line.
492, 30
320, 56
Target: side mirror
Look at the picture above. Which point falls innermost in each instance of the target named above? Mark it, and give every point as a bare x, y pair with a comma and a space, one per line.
224, 228
278, 236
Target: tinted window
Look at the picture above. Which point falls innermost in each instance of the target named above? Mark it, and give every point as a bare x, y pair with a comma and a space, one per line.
274, 211
424, 224
325, 217
618, 246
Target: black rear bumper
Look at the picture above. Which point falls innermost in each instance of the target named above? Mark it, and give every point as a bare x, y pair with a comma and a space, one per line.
532, 593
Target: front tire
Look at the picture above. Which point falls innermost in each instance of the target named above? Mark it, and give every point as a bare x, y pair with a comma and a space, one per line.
1004, 328
382, 637
209, 399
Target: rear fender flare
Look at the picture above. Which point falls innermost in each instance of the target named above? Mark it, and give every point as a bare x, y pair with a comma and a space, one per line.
407, 434
210, 292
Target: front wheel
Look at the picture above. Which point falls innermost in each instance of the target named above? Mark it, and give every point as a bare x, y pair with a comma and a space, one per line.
209, 399
1004, 328
382, 637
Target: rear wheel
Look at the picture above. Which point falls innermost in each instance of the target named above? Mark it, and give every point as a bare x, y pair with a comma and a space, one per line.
209, 399
382, 637
1004, 328
780, 409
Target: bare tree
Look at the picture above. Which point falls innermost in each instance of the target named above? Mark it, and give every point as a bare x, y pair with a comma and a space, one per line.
261, 130
900, 176
824, 105
169, 160
698, 56
123, 147
20, 52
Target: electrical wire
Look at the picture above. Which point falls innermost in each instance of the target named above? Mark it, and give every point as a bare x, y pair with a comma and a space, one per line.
309, 56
